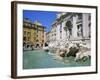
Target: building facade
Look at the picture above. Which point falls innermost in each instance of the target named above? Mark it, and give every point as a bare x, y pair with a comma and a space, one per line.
33, 34
75, 27
40, 34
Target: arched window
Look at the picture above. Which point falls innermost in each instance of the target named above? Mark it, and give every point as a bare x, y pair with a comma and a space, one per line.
69, 27
79, 30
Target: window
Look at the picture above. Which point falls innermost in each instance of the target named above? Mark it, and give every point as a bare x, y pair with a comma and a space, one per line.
79, 15
24, 38
89, 18
89, 25
70, 31
89, 30
78, 26
42, 40
37, 40
29, 34
79, 30
77, 34
25, 32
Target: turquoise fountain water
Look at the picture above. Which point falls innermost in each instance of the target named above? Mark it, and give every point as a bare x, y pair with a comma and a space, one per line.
39, 59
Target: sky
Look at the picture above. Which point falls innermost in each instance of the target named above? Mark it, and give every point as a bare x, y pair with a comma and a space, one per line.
46, 18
